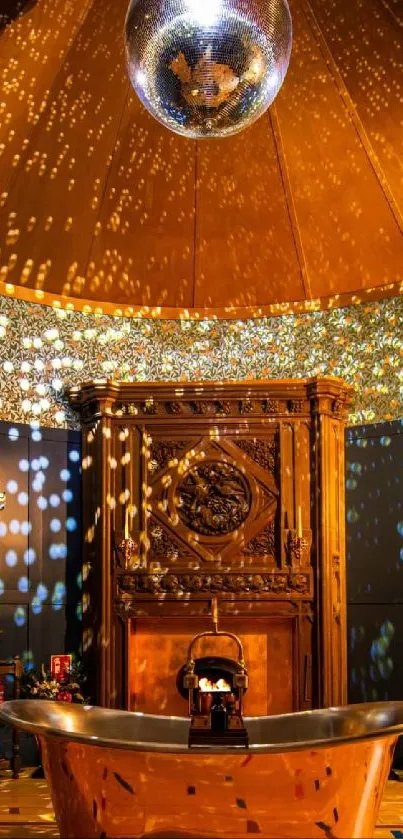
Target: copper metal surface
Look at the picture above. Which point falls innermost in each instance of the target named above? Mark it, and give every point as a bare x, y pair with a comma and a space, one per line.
158, 645
120, 774
101, 206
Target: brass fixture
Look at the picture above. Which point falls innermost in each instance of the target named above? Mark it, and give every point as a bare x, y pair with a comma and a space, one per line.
216, 719
127, 552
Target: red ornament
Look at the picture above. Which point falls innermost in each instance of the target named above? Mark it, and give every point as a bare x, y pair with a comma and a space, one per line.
60, 666
64, 696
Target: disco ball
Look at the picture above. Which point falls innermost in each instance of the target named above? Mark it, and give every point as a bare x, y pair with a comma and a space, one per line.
207, 68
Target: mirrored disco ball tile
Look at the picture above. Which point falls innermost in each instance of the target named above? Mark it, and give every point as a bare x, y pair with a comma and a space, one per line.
207, 68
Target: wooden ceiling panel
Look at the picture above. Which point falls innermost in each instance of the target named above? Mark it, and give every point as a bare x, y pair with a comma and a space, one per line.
100, 204
350, 237
246, 251
143, 252
366, 44
32, 51
48, 220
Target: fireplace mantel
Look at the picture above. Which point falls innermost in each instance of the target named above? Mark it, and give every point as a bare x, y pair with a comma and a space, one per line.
235, 491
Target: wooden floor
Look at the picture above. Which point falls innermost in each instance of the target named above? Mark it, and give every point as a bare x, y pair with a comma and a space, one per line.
26, 809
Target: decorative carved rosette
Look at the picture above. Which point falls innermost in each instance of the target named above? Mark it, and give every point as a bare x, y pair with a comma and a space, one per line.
200, 407
271, 406
175, 407
295, 406
223, 407
213, 498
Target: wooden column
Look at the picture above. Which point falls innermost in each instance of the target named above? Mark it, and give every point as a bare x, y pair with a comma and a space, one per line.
100, 484
327, 443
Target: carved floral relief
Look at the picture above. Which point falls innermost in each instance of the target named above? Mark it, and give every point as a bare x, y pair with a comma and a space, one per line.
213, 498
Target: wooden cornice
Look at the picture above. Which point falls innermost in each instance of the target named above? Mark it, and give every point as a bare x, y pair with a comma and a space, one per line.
255, 397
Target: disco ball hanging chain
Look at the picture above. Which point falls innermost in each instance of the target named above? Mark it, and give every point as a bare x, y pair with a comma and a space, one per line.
207, 68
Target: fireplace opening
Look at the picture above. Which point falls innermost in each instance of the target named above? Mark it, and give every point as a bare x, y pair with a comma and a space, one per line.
214, 688
215, 675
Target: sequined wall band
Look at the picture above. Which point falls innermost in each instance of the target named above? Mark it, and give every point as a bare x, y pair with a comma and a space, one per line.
43, 350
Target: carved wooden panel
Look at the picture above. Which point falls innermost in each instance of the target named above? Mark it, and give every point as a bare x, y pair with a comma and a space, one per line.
232, 491
215, 496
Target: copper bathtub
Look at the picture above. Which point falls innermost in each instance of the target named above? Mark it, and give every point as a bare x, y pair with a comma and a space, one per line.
120, 774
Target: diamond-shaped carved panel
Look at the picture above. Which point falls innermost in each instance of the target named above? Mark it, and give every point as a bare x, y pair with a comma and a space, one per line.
216, 501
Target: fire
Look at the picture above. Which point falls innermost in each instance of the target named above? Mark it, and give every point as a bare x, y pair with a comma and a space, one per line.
207, 686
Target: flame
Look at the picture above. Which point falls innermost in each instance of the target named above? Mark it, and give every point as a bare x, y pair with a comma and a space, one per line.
207, 686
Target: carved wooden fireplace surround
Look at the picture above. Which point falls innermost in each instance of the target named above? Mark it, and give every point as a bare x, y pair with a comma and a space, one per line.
235, 491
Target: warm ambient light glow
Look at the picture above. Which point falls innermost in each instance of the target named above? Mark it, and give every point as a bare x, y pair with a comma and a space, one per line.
208, 686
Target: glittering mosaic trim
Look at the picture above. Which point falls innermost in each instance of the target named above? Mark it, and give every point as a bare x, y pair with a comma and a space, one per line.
44, 349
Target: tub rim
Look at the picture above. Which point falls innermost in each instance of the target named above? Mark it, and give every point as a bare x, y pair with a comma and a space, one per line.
368, 716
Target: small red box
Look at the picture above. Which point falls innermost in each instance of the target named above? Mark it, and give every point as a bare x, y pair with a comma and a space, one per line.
60, 666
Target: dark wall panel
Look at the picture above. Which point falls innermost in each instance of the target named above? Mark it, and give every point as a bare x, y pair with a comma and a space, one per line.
40, 550
14, 520
47, 633
375, 652
374, 510
14, 626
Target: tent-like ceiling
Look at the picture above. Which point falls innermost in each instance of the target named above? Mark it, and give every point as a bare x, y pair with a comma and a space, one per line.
102, 207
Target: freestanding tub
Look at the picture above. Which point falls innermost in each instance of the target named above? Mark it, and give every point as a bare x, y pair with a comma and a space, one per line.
120, 774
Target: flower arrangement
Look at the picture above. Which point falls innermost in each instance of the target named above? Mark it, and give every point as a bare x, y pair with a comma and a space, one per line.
44, 685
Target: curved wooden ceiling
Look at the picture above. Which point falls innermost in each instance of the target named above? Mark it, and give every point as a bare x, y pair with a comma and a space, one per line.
101, 204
